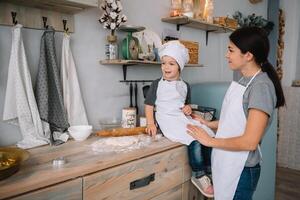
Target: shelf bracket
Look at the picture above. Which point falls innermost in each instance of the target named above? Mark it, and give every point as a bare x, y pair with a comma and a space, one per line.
124, 72
206, 36
178, 25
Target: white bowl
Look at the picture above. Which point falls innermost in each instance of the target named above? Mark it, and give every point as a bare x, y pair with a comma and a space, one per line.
80, 133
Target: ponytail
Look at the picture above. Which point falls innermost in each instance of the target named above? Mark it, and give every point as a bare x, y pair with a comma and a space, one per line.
270, 70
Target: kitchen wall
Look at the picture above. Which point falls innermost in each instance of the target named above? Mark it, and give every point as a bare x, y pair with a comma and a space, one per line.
291, 61
103, 94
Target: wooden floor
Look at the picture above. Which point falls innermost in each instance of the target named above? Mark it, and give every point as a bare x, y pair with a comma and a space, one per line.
287, 184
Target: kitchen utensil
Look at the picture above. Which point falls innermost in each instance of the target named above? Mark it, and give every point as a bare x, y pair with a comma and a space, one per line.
130, 93
145, 90
136, 98
130, 45
121, 132
10, 160
59, 162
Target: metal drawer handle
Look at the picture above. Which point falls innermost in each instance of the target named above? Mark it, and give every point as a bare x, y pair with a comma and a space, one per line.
142, 182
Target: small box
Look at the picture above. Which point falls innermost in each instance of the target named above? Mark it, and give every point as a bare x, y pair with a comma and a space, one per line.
207, 113
193, 48
226, 21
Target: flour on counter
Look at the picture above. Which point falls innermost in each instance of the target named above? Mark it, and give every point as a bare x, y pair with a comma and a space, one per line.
122, 144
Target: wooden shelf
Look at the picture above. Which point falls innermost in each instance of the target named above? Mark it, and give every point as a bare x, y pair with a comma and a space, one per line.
126, 63
64, 6
138, 62
196, 23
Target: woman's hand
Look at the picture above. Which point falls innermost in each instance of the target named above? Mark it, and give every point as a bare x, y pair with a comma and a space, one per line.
151, 129
199, 134
187, 110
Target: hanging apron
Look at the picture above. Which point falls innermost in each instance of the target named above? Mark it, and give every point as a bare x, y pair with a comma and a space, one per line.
171, 96
227, 165
73, 102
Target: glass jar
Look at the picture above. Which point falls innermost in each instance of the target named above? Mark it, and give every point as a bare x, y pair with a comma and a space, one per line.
176, 8
208, 11
111, 48
188, 8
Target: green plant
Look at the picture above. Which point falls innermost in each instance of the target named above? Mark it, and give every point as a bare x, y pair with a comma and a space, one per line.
253, 20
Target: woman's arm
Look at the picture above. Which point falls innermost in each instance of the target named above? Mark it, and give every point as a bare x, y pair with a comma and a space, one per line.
256, 124
211, 124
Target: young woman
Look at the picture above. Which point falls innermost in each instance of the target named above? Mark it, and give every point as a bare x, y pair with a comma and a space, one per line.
246, 113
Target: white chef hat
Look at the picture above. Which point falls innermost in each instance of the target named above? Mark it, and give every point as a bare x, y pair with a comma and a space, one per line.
177, 51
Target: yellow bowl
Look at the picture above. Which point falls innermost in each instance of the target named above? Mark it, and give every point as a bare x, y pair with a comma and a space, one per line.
10, 160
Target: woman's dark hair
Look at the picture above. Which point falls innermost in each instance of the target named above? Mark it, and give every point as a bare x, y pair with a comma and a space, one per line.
255, 41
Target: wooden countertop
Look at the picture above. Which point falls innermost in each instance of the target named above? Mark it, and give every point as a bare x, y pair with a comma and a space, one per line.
38, 171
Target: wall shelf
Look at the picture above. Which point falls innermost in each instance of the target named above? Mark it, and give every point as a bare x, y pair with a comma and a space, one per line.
63, 6
31, 13
126, 63
198, 24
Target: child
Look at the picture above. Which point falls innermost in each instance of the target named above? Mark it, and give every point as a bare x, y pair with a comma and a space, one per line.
171, 97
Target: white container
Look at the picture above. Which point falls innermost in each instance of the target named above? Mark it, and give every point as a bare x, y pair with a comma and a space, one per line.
80, 133
129, 117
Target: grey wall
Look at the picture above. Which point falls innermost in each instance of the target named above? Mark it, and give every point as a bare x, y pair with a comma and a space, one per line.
291, 68
103, 94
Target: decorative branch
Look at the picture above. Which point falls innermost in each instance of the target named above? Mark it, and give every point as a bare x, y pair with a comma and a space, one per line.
253, 20
112, 17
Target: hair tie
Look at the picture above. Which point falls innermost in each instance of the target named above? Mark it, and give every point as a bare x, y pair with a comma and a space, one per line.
264, 63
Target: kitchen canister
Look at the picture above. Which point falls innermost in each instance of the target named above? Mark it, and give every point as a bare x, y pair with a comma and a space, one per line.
129, 117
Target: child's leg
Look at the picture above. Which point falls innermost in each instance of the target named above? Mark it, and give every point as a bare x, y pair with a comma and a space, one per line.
196, 160
197, 163
206, 153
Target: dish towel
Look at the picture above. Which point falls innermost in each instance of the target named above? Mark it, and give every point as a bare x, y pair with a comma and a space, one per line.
20, 106
71, 91
48, 90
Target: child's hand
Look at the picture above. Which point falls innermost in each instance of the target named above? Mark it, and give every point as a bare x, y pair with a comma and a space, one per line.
200, 119
187, 110
151, 129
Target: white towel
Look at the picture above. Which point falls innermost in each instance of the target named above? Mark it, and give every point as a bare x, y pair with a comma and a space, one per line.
20, 106
73, 102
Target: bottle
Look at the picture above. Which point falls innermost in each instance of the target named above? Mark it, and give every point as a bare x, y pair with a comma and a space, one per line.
188, 8
111, 48
208, 11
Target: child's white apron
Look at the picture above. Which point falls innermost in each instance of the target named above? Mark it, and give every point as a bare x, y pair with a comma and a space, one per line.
171, 96
227, 165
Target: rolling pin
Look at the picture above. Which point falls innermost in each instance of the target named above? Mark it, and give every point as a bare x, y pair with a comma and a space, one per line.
116, 132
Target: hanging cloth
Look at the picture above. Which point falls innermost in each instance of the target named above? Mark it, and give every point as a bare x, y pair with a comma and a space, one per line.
20, 107
73, 102
48, 89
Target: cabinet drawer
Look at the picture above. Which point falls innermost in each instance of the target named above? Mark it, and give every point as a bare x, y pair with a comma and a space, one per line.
71, 190
170, 169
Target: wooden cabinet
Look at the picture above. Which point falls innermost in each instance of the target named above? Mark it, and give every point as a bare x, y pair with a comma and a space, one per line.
141, 179
71, 190
158, 171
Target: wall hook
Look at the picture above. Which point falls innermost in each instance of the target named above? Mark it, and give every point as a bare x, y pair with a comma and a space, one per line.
14, 15
65, 25
45, 22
